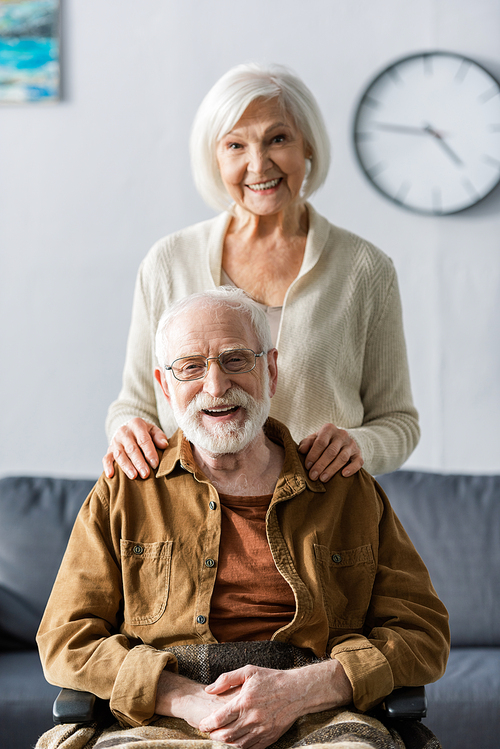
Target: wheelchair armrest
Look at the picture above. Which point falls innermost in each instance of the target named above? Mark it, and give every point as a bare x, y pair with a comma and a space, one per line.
406, 703
71, 706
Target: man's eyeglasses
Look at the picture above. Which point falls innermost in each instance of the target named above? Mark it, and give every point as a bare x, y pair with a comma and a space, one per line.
236, 361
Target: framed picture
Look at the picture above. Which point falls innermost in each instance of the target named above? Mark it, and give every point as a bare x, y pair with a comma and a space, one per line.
29, 51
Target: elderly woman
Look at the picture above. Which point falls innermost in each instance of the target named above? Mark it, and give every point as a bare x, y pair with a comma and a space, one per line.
259, 149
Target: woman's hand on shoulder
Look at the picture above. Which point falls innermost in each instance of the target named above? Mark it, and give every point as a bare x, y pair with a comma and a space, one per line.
134, 448
329, 450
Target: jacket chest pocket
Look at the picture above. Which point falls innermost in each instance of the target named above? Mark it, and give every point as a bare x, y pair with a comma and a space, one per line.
146, 580
347, 578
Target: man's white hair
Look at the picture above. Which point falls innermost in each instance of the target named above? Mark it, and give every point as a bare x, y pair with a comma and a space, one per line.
223, 296
224, 105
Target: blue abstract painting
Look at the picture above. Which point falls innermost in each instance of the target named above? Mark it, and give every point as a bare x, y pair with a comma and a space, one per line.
29, 50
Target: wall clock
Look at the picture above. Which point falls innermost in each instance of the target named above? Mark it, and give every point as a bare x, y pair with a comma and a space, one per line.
427, 132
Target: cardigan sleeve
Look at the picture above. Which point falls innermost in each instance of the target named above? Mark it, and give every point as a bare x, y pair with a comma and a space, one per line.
137, 397
390, 430
176, 265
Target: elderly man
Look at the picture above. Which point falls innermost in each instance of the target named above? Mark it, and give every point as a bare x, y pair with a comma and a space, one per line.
229, 597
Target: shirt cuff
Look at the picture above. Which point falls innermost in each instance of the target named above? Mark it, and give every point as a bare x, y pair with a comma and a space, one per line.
133, 698
367, 669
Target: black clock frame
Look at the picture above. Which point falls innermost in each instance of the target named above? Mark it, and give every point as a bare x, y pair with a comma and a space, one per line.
366, 92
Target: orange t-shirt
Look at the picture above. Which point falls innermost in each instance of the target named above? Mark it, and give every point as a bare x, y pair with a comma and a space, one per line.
251, 600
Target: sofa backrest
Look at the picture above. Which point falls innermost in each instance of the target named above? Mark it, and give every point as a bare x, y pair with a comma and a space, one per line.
36, 518
454, 522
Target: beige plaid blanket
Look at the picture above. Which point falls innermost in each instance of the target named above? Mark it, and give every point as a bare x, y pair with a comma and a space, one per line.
338, 729
335, 729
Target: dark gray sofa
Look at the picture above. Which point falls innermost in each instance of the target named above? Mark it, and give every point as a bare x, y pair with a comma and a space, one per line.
36, 518
454, 522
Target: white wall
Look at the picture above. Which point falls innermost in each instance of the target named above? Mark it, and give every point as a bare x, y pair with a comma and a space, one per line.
87, 185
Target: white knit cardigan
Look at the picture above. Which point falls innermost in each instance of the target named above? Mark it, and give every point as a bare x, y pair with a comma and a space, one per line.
342, 354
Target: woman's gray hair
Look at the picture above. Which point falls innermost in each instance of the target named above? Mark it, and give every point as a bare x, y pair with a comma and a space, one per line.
223, 296
224, 105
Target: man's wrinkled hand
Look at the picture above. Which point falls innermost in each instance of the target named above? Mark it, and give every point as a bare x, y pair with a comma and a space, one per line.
262, 710
269, 701
179, 697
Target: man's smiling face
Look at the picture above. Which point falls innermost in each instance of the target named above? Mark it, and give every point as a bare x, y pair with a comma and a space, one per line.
223, 412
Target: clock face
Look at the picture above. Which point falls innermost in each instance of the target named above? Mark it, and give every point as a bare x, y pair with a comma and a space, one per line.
427, 133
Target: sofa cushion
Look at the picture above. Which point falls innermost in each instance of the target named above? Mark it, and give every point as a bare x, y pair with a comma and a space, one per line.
36, 518
463, 705
25, 700
454, 522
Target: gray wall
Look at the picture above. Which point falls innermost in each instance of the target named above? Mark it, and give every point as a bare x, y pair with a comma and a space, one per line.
87, 185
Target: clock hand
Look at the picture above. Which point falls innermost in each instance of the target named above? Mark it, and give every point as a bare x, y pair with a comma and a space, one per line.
444, 145
427, 130
400, 128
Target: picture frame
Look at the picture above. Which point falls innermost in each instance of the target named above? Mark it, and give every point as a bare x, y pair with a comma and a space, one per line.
29, 51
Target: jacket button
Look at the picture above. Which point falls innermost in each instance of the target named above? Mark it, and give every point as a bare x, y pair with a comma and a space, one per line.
337, 558
209, 563
201, 619
212, 505
138, 549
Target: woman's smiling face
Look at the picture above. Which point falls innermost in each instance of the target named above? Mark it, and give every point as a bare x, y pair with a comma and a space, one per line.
262, 160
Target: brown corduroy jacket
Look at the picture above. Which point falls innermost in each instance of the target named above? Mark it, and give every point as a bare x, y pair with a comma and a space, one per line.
141, 564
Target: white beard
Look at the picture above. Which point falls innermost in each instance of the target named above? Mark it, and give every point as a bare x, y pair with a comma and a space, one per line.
224, 438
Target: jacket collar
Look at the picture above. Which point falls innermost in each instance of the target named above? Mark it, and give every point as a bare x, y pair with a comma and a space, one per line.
293, 477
